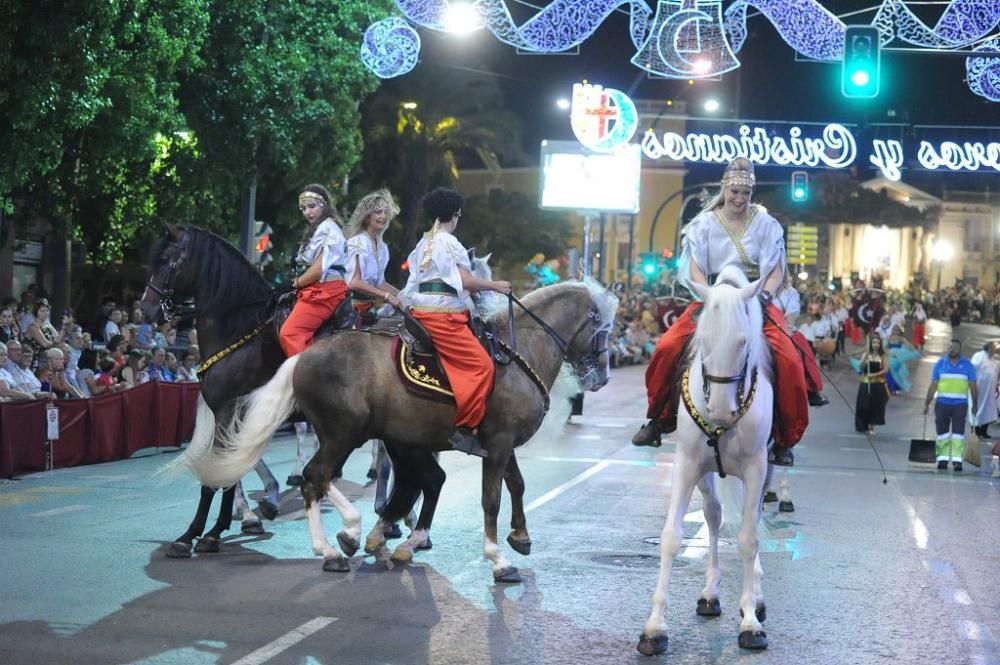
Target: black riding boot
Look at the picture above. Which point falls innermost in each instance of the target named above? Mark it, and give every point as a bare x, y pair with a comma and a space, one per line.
779, 456
465, 440
817, 399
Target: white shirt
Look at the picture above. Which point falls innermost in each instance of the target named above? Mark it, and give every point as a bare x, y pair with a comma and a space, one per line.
444, 254
708, 243
788, 302
7, 379
110, 330
329, 241
373, 257
26, 380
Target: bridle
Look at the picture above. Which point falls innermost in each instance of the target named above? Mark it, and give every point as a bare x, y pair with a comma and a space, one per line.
598, 339
166, 293
739, 379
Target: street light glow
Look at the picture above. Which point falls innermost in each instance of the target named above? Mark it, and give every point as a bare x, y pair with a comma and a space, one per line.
702, 66
942, 251
803, 275
409, 106
462, 18
712, 105
563, 104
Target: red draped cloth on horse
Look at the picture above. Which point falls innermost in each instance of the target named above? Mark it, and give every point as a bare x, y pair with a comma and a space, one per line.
790, 394
469, 368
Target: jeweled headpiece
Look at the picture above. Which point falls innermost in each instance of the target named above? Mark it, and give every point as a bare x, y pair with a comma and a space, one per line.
311, 197
739, 172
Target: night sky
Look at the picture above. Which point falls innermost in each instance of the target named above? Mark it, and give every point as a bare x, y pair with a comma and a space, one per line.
920, 89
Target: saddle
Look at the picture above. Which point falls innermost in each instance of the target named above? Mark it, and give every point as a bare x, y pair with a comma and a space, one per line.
418, 365
343, 317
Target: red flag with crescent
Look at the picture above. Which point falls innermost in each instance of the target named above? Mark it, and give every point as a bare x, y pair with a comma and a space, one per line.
669, 309
866, 308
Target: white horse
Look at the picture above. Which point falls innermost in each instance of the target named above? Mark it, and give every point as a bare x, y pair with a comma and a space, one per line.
728, 399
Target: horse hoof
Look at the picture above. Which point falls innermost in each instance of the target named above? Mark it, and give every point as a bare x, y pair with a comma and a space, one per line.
652, 646
519, 546
207, 545
392, 531
268, 509
508, 575
252, 529
179, 550
761, 613
786, 507
348, 544
402, 555
294, 480
426, 545
336, 564
770, 497
372, 474
708, 607
751, 640
373, 545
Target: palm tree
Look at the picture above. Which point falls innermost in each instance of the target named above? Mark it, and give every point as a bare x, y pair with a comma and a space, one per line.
417, 130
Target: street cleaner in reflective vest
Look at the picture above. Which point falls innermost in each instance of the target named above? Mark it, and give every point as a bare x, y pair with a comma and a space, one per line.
732, 231
954, 381
438, 297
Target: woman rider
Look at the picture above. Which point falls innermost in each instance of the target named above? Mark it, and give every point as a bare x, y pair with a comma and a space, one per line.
367, 254
321, 288
731, 231
440, 277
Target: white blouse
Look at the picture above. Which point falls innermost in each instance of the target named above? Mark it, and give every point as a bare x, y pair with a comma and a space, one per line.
712, 245
328, 240
373, 257
446, 256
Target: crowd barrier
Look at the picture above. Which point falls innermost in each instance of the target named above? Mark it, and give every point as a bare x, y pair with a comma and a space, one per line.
99, 429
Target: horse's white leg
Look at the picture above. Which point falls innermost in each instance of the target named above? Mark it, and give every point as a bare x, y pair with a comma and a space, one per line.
248, 519
712, 509
404, 551
785, 504
751, 632
305, 446
493, 472
375, 540
350, 535
654, 635
269, 504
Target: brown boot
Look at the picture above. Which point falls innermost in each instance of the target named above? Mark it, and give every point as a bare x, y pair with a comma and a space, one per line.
649, 434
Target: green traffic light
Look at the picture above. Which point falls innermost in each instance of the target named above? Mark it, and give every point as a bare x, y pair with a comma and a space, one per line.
799, 194
860, 78
648, 268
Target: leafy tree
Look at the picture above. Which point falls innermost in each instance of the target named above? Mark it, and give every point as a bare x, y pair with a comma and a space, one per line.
513, 228
419, 128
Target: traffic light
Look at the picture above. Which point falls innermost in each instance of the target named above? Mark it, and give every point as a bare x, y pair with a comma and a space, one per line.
262, 244
649, 264
859, 76
800, 186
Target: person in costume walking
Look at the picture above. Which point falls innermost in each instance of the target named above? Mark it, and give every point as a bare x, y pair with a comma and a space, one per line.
987, 370
954, 381
321, 287
437, 294
873, 395
732, 231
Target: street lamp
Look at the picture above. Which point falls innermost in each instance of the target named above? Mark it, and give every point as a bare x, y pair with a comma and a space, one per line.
941, 251
462, 18
563, 104
712, 105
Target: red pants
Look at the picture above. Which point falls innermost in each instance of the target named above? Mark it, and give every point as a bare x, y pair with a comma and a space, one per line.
790, 395
919, 333
469, 368
362, 308
313, 305
813, 378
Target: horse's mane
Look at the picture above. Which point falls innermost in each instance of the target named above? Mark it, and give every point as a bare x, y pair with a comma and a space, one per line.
605, 301
730, 317
234, 279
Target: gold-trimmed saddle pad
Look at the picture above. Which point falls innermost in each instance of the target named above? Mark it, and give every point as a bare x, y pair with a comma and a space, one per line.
421, 375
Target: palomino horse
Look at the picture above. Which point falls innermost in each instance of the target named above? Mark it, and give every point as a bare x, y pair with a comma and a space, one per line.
564, 322
241, 350
723, 429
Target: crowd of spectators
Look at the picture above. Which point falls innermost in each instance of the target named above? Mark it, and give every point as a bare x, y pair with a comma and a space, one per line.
118, 351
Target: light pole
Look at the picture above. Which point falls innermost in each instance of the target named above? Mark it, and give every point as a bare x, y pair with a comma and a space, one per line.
941, 251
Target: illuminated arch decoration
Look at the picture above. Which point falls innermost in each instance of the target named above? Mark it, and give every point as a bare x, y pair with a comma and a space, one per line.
391, 47
695, 38
603, 119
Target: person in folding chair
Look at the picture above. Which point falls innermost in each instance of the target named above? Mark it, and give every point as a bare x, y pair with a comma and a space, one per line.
437, 296
732, 231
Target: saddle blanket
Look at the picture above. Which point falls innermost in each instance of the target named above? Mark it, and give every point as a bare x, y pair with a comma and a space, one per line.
421, 375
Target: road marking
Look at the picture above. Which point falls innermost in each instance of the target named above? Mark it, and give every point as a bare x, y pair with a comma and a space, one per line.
852, 436
286, 641
596, 460
60, 511
551, 494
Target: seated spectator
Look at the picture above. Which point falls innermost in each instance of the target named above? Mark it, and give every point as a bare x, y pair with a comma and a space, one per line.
170, 368
74, 348
112, 328
131, 373
142, 337
106, 378
53, 376
24, 379
188, 370
155, 367
117, 348
8, 327
8, 387
42, 335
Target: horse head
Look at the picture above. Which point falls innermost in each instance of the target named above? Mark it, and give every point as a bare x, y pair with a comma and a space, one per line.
729, 343
167, 277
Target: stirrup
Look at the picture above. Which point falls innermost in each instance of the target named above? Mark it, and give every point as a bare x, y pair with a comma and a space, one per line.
779, 456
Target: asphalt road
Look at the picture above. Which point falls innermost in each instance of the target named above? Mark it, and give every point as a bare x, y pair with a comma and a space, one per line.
861, 572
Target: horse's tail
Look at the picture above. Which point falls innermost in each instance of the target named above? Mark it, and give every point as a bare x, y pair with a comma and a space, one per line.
243, 441
201, 442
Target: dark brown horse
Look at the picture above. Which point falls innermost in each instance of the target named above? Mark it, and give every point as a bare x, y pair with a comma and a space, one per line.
347, 387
